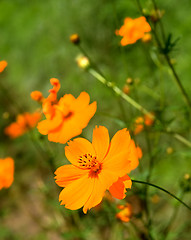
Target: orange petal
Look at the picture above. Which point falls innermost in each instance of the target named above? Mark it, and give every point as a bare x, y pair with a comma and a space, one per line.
118, 189
76, 194
100, 141
77, 148
67, 174
66, 100
45, 126
72, 126
102, 182
133, 156
121, 154
32, 119
3, 65
81, 102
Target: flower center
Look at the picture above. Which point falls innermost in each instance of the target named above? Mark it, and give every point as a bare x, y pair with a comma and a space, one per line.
87, 161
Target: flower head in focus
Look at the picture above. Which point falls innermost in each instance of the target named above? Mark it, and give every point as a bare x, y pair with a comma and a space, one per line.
133, 30
96, 167
6, 172
66, 117
24, 123
126, 212
3, 65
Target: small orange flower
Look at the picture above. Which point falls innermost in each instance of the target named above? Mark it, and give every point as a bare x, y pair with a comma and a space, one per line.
6, 172
140, 122
139, 125
126, 212
65, 118
3, 65
149, 119
133, 30
24, 122
96, 167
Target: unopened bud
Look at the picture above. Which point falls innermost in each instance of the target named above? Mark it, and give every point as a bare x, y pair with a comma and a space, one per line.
75, 39
37, 96
126, 89
169, 150
129, 81
156, 15
83, 62
146, 38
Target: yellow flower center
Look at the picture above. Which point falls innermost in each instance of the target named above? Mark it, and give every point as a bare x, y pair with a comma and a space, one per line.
87, 161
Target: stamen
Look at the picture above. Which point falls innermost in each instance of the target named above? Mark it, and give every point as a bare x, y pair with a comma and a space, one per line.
88, 161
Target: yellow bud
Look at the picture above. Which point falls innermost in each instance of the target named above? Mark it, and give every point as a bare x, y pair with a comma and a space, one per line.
83, 62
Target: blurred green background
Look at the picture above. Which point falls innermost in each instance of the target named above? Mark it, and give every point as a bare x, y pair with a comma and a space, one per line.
34, 40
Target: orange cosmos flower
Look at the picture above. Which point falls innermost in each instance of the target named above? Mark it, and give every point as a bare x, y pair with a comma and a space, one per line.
126, 212
140, 122
3, 65
133, 30
6, 172
24, 122
96, 167
65, 118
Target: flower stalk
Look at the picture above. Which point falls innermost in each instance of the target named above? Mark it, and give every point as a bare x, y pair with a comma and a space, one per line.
164, 190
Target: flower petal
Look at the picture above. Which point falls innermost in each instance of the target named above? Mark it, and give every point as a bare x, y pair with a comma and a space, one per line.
133, 156
77, 148
118, 189
81, 102
73, 126
100, 141
76, 194
101, 183
45, 126
67, 174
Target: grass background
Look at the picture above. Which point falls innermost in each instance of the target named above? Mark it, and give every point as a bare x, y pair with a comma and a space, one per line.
34, 39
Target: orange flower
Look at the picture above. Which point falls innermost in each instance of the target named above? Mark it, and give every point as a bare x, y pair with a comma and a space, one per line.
24, 122
133, 30
149, 119
139, 125
6, 172
140, 122
125, 213
65, 118
96, 167
3, 65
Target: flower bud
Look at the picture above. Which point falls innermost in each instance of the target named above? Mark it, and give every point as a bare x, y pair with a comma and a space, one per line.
37, 96
75, 39
83, 62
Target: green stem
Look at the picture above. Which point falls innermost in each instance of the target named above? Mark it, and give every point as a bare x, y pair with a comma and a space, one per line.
164, 190
119, 92
136, 105
176, 77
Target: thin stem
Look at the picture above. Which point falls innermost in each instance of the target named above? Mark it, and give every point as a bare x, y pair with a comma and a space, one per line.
164, 190
119, 92
136, 105
176, 77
